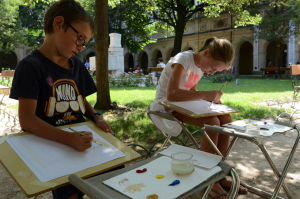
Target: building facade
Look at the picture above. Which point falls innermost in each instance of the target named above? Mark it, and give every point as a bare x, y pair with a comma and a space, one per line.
250, 56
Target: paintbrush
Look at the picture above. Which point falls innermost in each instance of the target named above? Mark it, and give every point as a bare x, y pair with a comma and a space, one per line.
81, 134
220, 91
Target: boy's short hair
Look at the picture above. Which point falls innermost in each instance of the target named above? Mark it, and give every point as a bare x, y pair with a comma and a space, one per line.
70, 10
160, 59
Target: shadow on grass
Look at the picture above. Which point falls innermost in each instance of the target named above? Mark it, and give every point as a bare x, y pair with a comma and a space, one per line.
139, 104
136, 127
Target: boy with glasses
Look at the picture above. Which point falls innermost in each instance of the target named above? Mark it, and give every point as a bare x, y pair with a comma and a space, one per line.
52, 84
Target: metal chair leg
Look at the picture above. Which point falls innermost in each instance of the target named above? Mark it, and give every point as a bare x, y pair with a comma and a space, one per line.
233, 193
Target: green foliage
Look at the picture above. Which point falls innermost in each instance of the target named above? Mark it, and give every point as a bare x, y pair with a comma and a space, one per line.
128, 19
176, 13
132, 22
275, 26
9, 25
6, 81
32, 21
222, 77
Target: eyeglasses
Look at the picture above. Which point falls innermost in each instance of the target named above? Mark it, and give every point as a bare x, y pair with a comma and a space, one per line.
80, 39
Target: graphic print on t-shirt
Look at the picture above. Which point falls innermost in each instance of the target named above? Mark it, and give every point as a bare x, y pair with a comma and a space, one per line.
65, 100
193, 79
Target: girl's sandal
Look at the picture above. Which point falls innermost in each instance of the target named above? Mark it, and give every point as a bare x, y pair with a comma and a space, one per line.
228, 188
219, 194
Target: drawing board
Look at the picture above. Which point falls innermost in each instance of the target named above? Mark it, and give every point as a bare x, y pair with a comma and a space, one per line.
199, 108
48, 159
141, 185
32, 186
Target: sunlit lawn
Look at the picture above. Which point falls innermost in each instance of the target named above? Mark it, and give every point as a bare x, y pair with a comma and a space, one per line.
135, 126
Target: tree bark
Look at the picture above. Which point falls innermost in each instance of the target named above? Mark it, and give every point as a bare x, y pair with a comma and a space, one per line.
101, 51
178, 40
179, 29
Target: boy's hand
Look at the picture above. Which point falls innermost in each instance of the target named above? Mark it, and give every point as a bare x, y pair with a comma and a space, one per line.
81, 143
103, 125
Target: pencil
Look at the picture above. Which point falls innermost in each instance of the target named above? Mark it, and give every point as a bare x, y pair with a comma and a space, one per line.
81, 134
220, 91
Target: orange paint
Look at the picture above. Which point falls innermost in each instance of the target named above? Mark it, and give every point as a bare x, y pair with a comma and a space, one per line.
153, 196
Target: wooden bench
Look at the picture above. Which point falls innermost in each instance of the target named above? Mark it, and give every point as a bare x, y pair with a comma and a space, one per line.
6, 79
279, 70
154, 69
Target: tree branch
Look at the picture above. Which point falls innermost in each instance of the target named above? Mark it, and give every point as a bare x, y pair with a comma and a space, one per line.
170, 21
197, 9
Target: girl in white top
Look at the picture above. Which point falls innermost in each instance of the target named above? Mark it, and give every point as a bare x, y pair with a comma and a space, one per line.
178, 82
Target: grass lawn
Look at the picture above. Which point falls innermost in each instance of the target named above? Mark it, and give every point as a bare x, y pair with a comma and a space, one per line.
135, 126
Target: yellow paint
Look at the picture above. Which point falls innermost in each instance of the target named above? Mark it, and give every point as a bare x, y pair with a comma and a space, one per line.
159, 176
153, 196
254, 124
133, 188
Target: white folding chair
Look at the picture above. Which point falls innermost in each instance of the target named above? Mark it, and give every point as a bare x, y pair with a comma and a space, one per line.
170, 126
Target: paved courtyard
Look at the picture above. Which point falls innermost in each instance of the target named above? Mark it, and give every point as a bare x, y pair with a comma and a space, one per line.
245, 156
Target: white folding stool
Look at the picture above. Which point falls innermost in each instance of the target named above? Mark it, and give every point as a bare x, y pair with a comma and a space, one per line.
157, 117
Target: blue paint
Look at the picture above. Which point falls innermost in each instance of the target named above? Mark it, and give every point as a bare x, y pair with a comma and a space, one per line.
175, 182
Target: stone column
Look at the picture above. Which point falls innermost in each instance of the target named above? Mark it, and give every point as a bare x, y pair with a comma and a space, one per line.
115, 54
291, 46
236, 63
255, 49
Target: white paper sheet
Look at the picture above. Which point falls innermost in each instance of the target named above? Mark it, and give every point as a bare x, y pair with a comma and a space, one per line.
203, 107
200, 158
272, 128
49, 160
152, 185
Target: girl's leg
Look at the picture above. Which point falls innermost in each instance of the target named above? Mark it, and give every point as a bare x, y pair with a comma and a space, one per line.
205, 146
223, 144
223, 141
214, 120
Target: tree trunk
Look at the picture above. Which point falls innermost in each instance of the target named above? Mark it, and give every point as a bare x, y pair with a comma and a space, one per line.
178, 39
272, 53
179, 29
101, 51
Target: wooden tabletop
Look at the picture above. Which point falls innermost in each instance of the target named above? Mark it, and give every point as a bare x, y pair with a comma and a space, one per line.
154, 69
7, 73
14, 164
275, 69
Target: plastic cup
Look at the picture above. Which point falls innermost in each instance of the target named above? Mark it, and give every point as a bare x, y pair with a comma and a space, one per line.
182, 163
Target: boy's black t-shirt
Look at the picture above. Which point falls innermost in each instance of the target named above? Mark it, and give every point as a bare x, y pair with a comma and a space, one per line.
60, 93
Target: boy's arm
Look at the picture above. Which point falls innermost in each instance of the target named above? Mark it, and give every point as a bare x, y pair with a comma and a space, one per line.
97, 118
33, 124
158, 66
